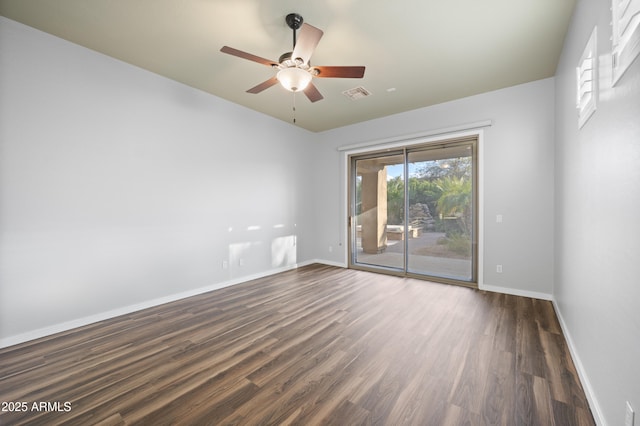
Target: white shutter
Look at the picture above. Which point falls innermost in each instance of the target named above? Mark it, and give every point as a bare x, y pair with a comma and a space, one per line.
587, 80
626, 35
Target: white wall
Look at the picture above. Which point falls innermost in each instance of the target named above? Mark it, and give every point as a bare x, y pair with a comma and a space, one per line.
598, 221
119, 187
517, 169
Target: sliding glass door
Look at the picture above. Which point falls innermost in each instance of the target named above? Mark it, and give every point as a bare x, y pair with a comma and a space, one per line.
414, 211
378, 211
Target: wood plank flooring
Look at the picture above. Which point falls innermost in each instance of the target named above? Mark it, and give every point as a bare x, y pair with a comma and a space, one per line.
317, 345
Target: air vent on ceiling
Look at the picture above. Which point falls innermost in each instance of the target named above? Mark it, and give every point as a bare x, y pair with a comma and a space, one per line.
356, 93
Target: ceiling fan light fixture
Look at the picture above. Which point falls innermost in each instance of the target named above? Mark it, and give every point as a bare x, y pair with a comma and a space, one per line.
294, 79
294, 68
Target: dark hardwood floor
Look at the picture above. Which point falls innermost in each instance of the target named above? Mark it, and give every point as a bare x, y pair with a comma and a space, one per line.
317, 345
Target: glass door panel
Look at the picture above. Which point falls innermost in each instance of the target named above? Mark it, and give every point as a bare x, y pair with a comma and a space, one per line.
441, 212
379, 211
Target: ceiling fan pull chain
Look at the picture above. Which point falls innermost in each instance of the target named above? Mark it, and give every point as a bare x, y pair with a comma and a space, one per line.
294, 107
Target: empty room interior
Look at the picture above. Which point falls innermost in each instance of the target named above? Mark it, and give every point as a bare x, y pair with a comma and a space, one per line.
280, 212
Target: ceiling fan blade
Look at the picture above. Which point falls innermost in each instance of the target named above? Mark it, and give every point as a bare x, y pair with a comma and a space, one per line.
312, 93
307, 41
263, 86
339, 72
249, 56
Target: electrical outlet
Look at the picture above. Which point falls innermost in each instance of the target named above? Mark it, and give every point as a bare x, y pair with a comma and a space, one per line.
225, 264
498, 218
629, 415
330, 249
499, 269
241, 262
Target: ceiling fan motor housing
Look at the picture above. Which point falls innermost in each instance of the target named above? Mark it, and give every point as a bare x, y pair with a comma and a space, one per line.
286, 61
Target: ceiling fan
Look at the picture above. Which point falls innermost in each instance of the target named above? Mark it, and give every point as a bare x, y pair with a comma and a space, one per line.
295, 70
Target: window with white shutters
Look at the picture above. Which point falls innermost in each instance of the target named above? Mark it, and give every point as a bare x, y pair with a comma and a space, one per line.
626, 35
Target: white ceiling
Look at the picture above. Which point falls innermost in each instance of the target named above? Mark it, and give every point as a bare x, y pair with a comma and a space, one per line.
416, 52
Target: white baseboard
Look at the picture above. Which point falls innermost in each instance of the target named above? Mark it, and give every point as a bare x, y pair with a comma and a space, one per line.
80, 322
582, 374
329, 263
516, 292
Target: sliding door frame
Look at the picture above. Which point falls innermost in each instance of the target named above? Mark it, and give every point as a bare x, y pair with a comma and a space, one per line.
351, 231
404, 146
